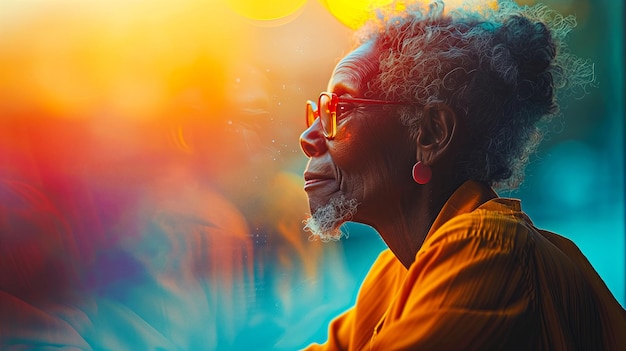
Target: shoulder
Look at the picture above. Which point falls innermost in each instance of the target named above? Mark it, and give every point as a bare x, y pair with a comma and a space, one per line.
498, 224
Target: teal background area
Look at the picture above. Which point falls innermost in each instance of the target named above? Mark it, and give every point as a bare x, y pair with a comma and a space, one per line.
575, 185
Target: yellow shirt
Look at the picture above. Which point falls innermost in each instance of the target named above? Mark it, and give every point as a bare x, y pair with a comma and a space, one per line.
484, 279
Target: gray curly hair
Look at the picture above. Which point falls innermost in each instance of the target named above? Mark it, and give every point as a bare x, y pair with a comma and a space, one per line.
499, 69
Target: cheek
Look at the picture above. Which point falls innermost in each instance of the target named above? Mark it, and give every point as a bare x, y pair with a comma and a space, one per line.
372, 157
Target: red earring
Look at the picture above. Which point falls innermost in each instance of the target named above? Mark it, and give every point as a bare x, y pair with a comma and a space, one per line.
421, 173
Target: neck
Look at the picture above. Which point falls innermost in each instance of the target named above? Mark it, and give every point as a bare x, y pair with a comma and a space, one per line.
405, 227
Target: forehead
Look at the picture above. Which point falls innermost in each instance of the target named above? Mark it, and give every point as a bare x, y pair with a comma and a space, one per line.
354, 70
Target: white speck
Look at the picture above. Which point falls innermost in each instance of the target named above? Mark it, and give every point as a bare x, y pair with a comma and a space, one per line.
237, 80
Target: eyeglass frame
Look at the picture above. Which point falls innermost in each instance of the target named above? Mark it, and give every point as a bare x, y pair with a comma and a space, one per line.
313, 112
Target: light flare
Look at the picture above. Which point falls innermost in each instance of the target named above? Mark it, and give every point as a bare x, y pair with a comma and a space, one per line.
355, 13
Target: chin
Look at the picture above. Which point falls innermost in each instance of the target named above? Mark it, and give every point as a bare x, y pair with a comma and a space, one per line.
327, 218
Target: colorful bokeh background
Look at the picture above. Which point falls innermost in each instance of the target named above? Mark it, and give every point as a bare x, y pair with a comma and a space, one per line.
150, 172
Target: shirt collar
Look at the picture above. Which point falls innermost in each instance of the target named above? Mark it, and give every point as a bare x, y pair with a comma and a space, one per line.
468, 197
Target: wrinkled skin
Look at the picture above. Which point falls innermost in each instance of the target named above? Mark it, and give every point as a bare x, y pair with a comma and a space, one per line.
371, 158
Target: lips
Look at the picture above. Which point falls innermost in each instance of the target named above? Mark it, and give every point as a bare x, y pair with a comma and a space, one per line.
314, 179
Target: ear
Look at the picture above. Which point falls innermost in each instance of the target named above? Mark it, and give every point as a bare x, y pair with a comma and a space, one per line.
436, 132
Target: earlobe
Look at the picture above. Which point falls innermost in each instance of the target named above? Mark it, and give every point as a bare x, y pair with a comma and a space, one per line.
436, 132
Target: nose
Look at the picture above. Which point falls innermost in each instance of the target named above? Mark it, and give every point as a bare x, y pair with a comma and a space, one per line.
312, 140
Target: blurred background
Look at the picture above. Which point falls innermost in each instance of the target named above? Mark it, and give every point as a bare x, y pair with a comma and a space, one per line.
150, 171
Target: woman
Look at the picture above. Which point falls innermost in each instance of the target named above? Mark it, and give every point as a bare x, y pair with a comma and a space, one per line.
429, 113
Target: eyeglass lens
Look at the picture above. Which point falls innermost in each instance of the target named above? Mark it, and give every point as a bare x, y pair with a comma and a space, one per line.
327, 114
326, 111
311, 112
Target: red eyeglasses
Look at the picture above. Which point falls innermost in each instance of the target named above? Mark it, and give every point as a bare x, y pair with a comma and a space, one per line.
330, 106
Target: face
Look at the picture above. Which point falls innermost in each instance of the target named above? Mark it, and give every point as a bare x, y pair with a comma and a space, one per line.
368, 162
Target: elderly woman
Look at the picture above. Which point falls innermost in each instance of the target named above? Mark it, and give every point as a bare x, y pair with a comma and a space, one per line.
419, 122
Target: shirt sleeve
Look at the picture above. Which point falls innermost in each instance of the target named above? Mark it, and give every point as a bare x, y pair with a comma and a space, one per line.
467, 290
353, 329
339, 333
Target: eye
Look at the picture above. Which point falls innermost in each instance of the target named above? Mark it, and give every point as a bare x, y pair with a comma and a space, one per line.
343, 108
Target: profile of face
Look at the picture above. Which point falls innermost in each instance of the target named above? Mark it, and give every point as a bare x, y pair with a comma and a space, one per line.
360, 172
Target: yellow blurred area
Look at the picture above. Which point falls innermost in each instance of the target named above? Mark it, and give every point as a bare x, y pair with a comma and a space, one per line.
267, 10
138, 60
72, 58
355, 13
